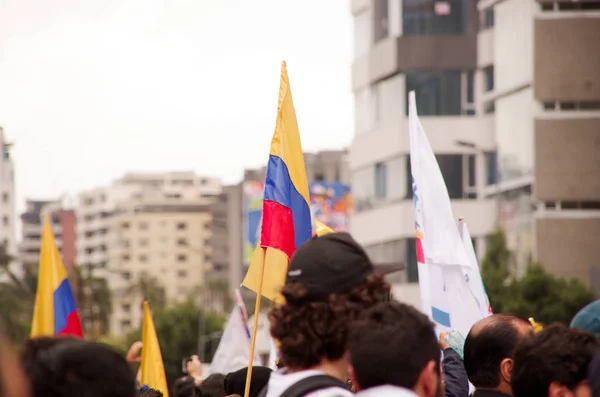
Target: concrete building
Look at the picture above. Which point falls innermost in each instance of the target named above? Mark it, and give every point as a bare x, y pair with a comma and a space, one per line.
326, 166
63, 227
8, 221
429, 47
148, 225
544, 94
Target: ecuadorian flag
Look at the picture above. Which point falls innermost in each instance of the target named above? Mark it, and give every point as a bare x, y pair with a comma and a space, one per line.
286, 221
55, 312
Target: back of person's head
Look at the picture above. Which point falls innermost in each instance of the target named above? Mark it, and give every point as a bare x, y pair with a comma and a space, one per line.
184, 387
330, 281
213, 386
148, 392
235, 382
554, 363
65, 367
593, 377
395, 344
588, 319
489, 350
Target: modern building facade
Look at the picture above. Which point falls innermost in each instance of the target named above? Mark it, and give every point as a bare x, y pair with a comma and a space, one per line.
324, 166
148, 226
545, 97
430, 47
8, 221
62, 221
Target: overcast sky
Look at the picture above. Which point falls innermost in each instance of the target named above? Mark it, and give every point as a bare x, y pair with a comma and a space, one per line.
91, 89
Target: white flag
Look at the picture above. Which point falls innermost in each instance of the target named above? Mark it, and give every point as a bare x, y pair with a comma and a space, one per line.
445, 295
233, 352
472, 274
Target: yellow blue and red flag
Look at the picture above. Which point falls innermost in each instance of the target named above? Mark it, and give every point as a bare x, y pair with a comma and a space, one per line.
55, 312
286, 217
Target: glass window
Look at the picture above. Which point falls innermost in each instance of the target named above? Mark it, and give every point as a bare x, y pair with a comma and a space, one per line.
387, 100
433, 17
181, 226
380, 180
489, 78
437, 93
396, 178
470, 86
487, 20
363, 188
381, 20
491, 159
363, 33
412, 266
471, 170
452, 171
489, 107
363, 110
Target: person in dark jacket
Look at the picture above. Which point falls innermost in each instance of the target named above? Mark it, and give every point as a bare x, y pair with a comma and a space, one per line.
456, 380
489, 352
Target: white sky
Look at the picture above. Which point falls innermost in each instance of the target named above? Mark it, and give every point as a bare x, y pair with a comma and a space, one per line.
91, 89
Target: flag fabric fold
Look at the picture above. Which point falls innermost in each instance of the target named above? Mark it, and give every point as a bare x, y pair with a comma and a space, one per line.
322, 229
286, 218
233, 351
472, 273
55, 312
152, 367
445, 294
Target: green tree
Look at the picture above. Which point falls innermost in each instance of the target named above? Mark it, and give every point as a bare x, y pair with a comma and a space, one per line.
151, 290
94, 302
177, 328
537, 294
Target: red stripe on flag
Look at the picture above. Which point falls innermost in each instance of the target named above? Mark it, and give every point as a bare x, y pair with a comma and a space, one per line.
73, 327
278, 228
420, 253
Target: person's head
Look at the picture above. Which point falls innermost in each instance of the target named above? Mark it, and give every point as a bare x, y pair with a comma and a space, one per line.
184, 387
65, 367
193, 366
395, 344
489, 350
588, 319
330, 281
554, 363
213, 386
235, 382
593, 378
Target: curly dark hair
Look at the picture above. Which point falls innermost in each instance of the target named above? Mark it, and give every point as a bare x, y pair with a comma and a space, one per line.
556, 354
309, 330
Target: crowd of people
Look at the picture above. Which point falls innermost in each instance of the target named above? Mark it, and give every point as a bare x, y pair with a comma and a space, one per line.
339, 334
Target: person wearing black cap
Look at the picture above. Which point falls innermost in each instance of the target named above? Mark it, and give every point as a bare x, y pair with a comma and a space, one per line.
330, 281
235, 382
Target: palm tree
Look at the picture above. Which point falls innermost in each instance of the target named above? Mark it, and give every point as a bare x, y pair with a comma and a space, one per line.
94, 301
149, 289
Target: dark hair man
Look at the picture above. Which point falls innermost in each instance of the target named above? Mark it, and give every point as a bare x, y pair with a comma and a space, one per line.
554, 363
394, 351
68, 367
330, 281
489, 351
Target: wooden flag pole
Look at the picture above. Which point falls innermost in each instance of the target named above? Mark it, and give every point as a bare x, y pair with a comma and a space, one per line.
255, 325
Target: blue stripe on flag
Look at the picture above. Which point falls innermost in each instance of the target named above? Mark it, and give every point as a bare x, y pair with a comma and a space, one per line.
440, 317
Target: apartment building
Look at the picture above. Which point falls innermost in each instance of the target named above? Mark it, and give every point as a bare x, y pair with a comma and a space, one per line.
323, 166
62, 221
430, 47
542, 83
8, 220
148, 226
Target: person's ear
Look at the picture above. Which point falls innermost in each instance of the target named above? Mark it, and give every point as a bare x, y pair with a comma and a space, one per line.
557, 390
352, 377
429, 380
506, 367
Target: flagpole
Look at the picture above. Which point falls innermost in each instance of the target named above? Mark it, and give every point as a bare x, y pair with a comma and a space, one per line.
255, 325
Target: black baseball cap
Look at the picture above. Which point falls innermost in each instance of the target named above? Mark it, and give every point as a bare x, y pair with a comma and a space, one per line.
331, 264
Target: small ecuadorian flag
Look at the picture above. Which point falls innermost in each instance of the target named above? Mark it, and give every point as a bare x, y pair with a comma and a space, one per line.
537, 327
152, 367
55, 312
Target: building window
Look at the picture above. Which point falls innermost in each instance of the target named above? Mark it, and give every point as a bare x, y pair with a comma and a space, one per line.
412, 266
487, 18
381, 28
380, 180
181, 258
319, 177
451, 166
182, 273
125, 225
491, 162
489, 107
125, 324
5, 197
182, 242
143, 258
143, 242
489, 78
437, 93
433, 17
125, 258
126, 275
181, 226
126, 307
143, 226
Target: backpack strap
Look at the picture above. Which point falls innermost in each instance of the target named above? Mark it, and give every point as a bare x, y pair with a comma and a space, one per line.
312, 384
